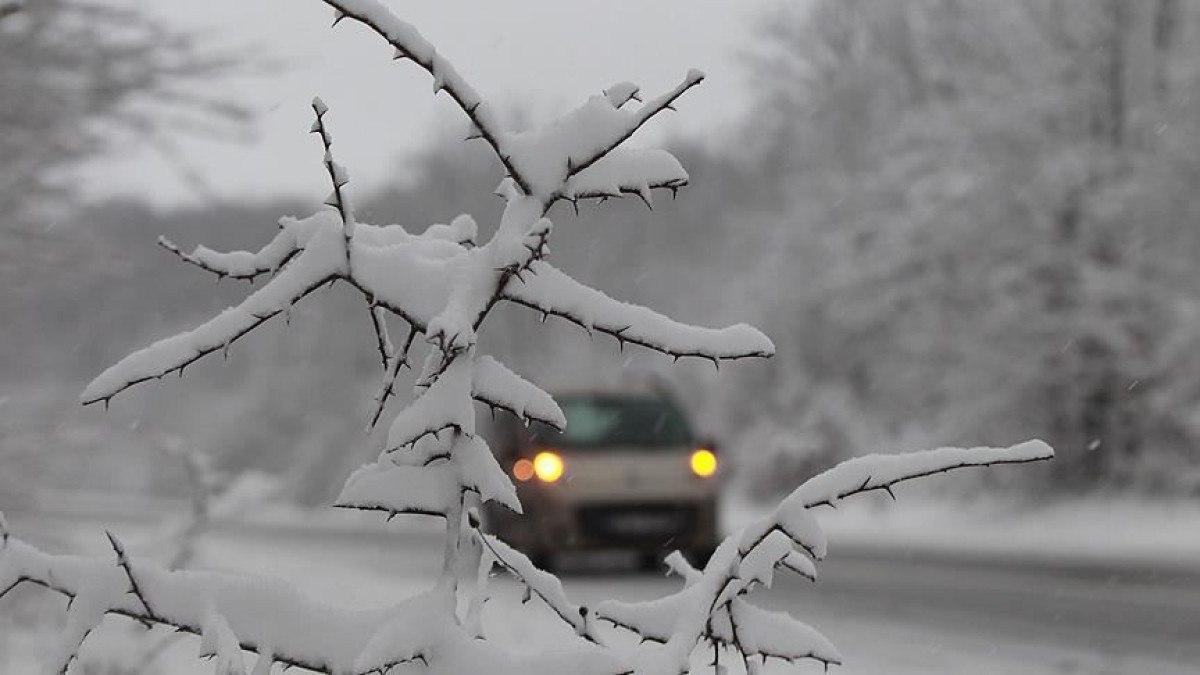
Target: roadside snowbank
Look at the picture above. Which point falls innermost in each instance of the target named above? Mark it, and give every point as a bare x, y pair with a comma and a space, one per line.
1113, 534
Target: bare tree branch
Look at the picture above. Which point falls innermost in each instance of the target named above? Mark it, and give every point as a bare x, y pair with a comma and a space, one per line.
398, 360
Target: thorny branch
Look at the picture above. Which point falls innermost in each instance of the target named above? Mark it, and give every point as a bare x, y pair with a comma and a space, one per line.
337, 174
191, 259
575, 616
383, 341
134, 588
647, 111
398, 360
147, 618
410, 44
204, 351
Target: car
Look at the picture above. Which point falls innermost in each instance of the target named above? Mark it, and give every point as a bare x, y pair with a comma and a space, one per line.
626, 474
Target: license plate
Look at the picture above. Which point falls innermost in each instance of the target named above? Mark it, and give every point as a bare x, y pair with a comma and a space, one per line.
634, 524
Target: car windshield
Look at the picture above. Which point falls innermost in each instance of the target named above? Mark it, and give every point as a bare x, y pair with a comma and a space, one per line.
605, 421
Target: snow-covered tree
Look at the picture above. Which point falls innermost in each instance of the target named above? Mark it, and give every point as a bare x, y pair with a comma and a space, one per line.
442, 283
983, 211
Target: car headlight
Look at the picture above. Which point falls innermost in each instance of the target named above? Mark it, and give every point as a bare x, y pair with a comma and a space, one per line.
703, 462
548, 467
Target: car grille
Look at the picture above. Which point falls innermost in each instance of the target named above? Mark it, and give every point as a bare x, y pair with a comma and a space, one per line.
637, 523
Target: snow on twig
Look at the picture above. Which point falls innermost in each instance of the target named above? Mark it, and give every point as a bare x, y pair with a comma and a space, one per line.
552, 292
410, 44
880, 472
542, 584
339, 177
240, 264
320, 262
494, 384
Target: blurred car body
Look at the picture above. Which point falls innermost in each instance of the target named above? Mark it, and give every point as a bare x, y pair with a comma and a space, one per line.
627, 474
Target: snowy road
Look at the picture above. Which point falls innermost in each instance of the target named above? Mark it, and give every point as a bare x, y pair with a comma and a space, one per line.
888, 615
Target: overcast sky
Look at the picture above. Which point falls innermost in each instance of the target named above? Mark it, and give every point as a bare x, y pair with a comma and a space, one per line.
539, 57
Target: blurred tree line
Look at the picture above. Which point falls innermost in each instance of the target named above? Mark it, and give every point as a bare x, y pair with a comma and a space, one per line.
984, 226
962, 222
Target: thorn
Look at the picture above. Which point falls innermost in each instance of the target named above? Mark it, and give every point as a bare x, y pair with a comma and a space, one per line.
338, 15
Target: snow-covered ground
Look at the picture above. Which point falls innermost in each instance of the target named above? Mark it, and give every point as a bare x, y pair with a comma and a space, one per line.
1101, 533
868, 610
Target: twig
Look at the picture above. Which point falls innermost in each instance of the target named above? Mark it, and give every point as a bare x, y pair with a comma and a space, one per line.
410, 44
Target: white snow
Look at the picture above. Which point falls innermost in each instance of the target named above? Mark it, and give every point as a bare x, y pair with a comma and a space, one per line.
322, 258
393, 488
498, 386
871, 472
218, 642
551, 291
479, 470
763, 632
635, 170
445, 404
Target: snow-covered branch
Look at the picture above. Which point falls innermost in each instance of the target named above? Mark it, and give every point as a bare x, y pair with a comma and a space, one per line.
383, 339
623, 171
321, 261
552, 292
236, 614
410, 44
444, 285
407, 275
605, 137
881, 472
398, 360
240, 264
712, 603
544, 163
304, 633
494, 384
542, 584
339, 177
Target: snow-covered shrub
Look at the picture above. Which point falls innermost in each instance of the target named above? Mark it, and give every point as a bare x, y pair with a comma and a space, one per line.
443, 283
